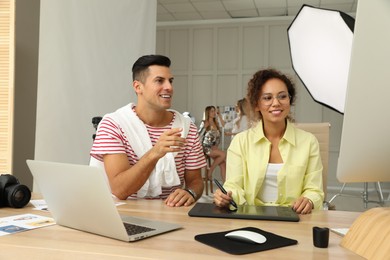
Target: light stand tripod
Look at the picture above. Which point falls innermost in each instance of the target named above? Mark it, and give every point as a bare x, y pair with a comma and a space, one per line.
364, 195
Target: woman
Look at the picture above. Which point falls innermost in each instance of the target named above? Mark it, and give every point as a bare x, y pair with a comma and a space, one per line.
240, 123
273, 163
210, 133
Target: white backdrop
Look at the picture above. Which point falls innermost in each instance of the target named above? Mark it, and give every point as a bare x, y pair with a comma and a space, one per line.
86, 52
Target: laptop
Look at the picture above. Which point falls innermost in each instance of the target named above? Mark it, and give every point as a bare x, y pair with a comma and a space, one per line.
278, 213
79, 197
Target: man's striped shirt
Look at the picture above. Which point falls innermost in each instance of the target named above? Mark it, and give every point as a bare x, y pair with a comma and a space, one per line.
110, 139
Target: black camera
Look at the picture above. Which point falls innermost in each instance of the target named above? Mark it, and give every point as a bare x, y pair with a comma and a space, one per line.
12, 193
95, 122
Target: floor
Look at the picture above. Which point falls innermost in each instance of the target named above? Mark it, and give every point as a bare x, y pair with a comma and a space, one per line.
348, 201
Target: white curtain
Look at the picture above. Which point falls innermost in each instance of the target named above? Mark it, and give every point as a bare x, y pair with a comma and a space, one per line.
86, 51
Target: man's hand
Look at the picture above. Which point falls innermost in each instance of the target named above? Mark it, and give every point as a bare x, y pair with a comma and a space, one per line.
179, 198
126, 179
170, 141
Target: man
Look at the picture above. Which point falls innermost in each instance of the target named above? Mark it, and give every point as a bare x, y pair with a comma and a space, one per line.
150, 151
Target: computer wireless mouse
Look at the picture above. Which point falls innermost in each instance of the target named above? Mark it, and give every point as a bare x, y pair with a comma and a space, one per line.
246, 236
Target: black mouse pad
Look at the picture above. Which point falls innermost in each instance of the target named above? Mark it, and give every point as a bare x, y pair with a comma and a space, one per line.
219, 241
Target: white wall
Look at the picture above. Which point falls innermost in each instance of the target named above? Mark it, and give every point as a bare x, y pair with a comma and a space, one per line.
87, 49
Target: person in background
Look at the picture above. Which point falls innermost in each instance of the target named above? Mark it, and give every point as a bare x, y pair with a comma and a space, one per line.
240, 123
273, 163
210, 132
148, 150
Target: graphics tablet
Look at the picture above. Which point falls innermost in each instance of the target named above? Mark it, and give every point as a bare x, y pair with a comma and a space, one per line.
278, 213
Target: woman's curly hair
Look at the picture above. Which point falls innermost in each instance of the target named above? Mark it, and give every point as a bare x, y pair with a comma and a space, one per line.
255, 86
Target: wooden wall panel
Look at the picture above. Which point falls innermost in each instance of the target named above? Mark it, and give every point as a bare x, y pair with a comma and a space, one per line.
178, 49
279, 54
180, 94
244, 83
202, 52
228, 52
253, 48
226, 90
202, 94
160, 41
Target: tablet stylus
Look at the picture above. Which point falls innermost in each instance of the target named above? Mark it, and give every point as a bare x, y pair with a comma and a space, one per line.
225, 192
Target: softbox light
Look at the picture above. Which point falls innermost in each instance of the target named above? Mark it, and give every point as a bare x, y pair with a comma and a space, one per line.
320, 42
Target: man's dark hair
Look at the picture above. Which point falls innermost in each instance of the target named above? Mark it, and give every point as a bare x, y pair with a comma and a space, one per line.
141, 66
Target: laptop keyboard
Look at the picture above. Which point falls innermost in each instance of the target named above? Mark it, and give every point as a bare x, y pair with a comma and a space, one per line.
135, 229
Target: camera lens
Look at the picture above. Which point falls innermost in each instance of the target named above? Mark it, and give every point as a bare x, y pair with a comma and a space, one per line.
17, 195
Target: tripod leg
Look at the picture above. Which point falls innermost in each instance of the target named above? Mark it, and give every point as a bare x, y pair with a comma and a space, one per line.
338, 194
380, 193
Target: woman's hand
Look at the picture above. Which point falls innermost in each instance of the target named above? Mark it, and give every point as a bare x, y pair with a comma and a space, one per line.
217, 111
228, 133
221, 199
220, 117
303, 205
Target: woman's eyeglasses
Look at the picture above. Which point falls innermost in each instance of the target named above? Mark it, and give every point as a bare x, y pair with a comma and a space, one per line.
268, 99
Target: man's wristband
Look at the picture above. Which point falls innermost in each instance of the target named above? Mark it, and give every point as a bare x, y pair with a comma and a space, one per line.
193, 194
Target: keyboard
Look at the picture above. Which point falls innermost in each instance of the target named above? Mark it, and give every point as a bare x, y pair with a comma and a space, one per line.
135, 229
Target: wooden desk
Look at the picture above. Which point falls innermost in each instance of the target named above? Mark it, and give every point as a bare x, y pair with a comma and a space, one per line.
57, 242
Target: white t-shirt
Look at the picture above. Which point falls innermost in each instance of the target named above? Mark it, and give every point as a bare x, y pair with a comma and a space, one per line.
269, 190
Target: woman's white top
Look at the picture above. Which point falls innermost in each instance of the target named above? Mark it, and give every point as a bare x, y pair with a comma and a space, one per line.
269, 190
